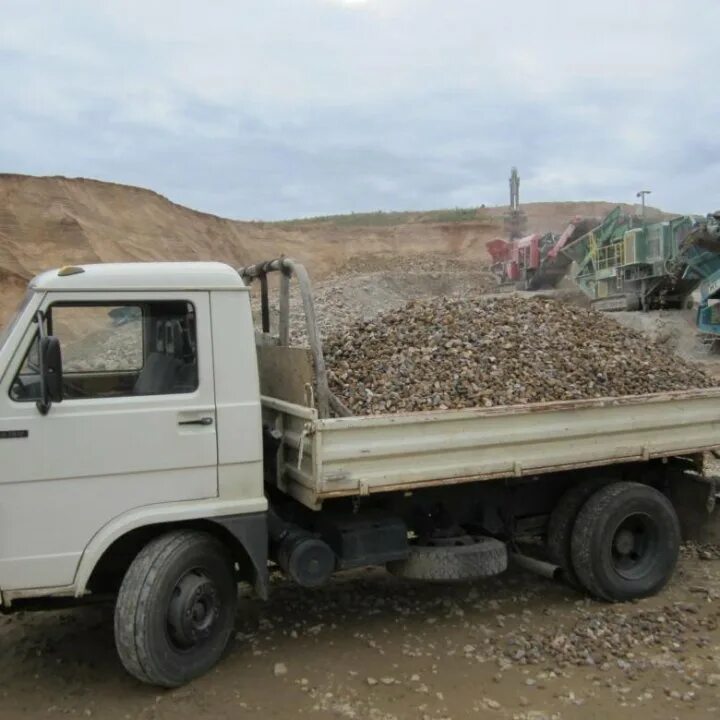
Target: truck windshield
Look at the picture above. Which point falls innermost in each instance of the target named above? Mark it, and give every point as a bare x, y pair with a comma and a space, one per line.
5, 332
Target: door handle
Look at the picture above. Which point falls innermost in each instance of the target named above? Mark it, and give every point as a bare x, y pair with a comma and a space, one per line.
13, 434
199, 421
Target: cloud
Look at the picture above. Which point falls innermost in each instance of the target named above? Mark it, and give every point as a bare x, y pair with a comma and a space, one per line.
291, 107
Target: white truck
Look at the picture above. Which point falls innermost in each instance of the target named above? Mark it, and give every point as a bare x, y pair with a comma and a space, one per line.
157, 450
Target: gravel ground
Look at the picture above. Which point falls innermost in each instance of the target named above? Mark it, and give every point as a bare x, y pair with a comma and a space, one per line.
370, 646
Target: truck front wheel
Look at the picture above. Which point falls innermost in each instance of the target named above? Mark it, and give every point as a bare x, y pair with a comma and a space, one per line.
175, 611
625, 542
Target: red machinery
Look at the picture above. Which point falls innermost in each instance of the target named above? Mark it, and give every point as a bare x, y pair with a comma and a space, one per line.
514, 261
532, 262
535, 261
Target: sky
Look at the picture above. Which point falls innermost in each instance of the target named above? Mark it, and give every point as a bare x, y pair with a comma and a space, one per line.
272, 109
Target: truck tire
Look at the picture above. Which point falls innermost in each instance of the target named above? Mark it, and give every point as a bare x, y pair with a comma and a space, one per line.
175, 611
562, 522
464, 559
626, 542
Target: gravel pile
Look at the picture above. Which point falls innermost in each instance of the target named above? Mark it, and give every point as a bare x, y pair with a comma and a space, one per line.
370, 284
420, 262
341, 302
445, 353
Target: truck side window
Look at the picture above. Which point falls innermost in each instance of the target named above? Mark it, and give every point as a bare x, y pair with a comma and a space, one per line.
118, 350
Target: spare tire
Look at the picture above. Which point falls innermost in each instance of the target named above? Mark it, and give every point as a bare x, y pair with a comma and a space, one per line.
451, 559
625, 542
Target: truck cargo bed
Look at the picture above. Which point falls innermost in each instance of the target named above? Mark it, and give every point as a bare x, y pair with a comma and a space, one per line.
321, 459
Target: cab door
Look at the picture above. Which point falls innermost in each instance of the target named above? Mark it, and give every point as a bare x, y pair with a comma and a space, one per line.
136, 426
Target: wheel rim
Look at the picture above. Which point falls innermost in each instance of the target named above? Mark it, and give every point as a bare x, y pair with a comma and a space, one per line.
193, 610
634, 546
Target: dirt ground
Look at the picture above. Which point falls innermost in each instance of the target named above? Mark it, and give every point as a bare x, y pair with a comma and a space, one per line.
372, 646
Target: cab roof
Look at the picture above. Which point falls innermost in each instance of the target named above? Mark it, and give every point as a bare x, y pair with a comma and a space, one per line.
140, 276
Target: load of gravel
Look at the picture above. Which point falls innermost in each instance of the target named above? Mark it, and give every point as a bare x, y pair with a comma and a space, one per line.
442, 353
369, 284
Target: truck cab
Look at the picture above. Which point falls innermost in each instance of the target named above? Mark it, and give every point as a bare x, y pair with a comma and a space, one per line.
158, 417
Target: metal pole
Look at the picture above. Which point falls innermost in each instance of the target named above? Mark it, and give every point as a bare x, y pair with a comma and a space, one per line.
284, 322
641, 194
287, 266
265, 304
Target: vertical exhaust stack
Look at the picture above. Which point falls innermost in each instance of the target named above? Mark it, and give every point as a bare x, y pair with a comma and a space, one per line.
515, 218
530, 261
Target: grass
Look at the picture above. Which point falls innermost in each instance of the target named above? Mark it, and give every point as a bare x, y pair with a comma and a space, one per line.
382, 218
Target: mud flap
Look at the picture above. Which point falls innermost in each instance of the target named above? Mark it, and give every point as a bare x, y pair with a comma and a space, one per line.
251, 533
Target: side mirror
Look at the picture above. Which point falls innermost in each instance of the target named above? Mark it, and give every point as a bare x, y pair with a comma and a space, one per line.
51, 383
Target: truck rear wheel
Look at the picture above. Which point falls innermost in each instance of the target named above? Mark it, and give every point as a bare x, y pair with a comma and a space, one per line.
562, 522
175, 611
625, 542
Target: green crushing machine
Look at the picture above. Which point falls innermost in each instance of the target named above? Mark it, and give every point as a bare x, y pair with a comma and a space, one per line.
628, 264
